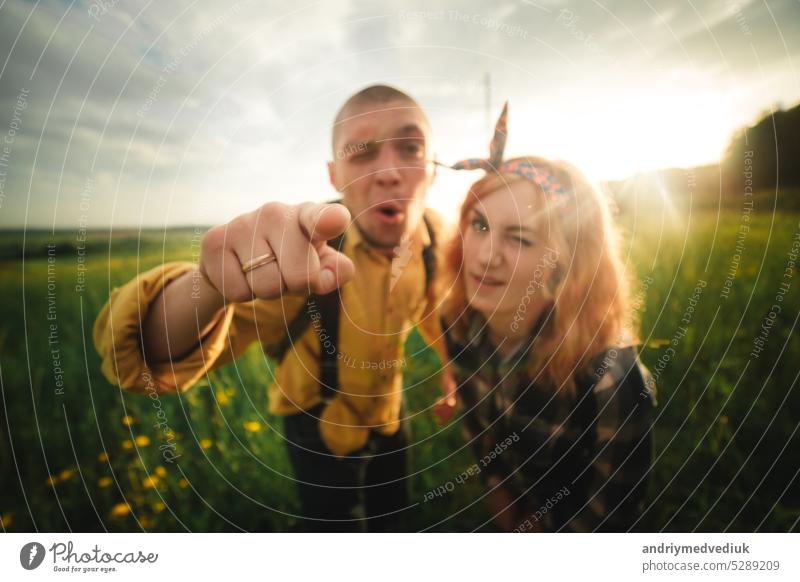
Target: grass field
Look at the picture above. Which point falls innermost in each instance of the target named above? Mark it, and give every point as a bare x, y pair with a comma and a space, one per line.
84, 456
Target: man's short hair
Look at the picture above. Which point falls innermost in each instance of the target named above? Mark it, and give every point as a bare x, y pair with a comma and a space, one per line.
372, 95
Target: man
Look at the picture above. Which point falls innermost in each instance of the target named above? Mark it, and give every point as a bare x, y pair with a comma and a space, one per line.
339, 382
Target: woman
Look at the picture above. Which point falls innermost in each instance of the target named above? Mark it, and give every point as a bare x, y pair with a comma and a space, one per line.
554, 400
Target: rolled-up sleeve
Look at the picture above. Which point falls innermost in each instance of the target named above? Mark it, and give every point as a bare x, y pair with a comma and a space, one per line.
117, 334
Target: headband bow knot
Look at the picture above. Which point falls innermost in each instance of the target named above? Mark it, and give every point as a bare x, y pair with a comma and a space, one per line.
524, 168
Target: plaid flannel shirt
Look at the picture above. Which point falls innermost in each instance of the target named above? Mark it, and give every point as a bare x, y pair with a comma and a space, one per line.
574, 463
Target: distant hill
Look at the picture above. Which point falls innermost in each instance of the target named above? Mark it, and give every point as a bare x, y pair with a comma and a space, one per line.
773, 147
766, 153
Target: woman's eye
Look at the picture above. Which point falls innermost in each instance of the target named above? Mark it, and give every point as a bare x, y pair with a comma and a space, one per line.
521, 241
479, 225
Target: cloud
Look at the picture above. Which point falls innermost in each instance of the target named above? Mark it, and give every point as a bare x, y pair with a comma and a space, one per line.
198, 111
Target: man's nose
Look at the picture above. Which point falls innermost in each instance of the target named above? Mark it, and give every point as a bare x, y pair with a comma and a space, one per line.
387, 170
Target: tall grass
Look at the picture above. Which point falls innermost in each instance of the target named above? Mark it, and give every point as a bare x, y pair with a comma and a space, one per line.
86, 457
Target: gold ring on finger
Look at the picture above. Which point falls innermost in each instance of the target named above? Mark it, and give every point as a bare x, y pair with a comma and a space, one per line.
259, 261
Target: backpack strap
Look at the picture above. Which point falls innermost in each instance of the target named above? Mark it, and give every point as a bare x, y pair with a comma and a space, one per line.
329, 308
429, 254
315, 308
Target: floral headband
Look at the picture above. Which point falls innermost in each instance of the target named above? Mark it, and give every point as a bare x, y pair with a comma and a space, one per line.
524, 168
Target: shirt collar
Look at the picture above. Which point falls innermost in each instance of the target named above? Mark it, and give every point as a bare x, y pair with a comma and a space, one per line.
478, 338
354, 239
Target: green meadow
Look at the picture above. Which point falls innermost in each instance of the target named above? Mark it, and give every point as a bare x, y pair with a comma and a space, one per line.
79, 454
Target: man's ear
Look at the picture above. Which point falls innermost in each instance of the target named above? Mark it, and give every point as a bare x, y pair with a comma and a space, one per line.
332, 176
433, 175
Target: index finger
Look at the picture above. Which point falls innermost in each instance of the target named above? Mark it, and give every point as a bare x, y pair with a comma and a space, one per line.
323, 222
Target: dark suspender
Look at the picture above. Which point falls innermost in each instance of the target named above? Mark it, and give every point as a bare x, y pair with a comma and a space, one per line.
429, 254
328, 306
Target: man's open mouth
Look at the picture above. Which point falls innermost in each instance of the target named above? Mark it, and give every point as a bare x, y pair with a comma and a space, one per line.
390, 212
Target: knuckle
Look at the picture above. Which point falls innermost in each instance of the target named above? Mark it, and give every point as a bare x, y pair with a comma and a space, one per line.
272, 213
237, 293
291, 213
240, 226
212, 240
266, 289
304, 213
303, 206
296, 278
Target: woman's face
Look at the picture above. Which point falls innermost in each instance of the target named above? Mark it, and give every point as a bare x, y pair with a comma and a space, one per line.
507, 258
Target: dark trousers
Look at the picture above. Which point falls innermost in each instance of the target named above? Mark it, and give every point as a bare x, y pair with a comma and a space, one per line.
366, 489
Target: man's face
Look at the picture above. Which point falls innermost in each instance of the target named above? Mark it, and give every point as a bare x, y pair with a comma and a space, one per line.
381, 166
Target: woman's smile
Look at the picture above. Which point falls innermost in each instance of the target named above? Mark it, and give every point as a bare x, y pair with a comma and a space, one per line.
486, 283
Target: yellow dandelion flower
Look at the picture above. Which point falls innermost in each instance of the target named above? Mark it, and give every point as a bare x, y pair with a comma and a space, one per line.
206, 443
66, 475
150, 482
159, 506
5, 520
120, 510
169, 435
127, 444
252, 426
656, 343
127, 420
142, 440
102, 457
160, 471
222, 398
104, 482
183, 483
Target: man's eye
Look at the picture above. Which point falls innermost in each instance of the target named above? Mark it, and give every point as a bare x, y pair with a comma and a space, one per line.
364, 156
411, 149
479, 225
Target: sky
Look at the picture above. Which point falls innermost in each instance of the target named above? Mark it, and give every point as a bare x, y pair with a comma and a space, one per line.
118, 113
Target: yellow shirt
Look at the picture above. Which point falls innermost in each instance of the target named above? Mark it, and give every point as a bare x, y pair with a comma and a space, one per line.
379, 307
